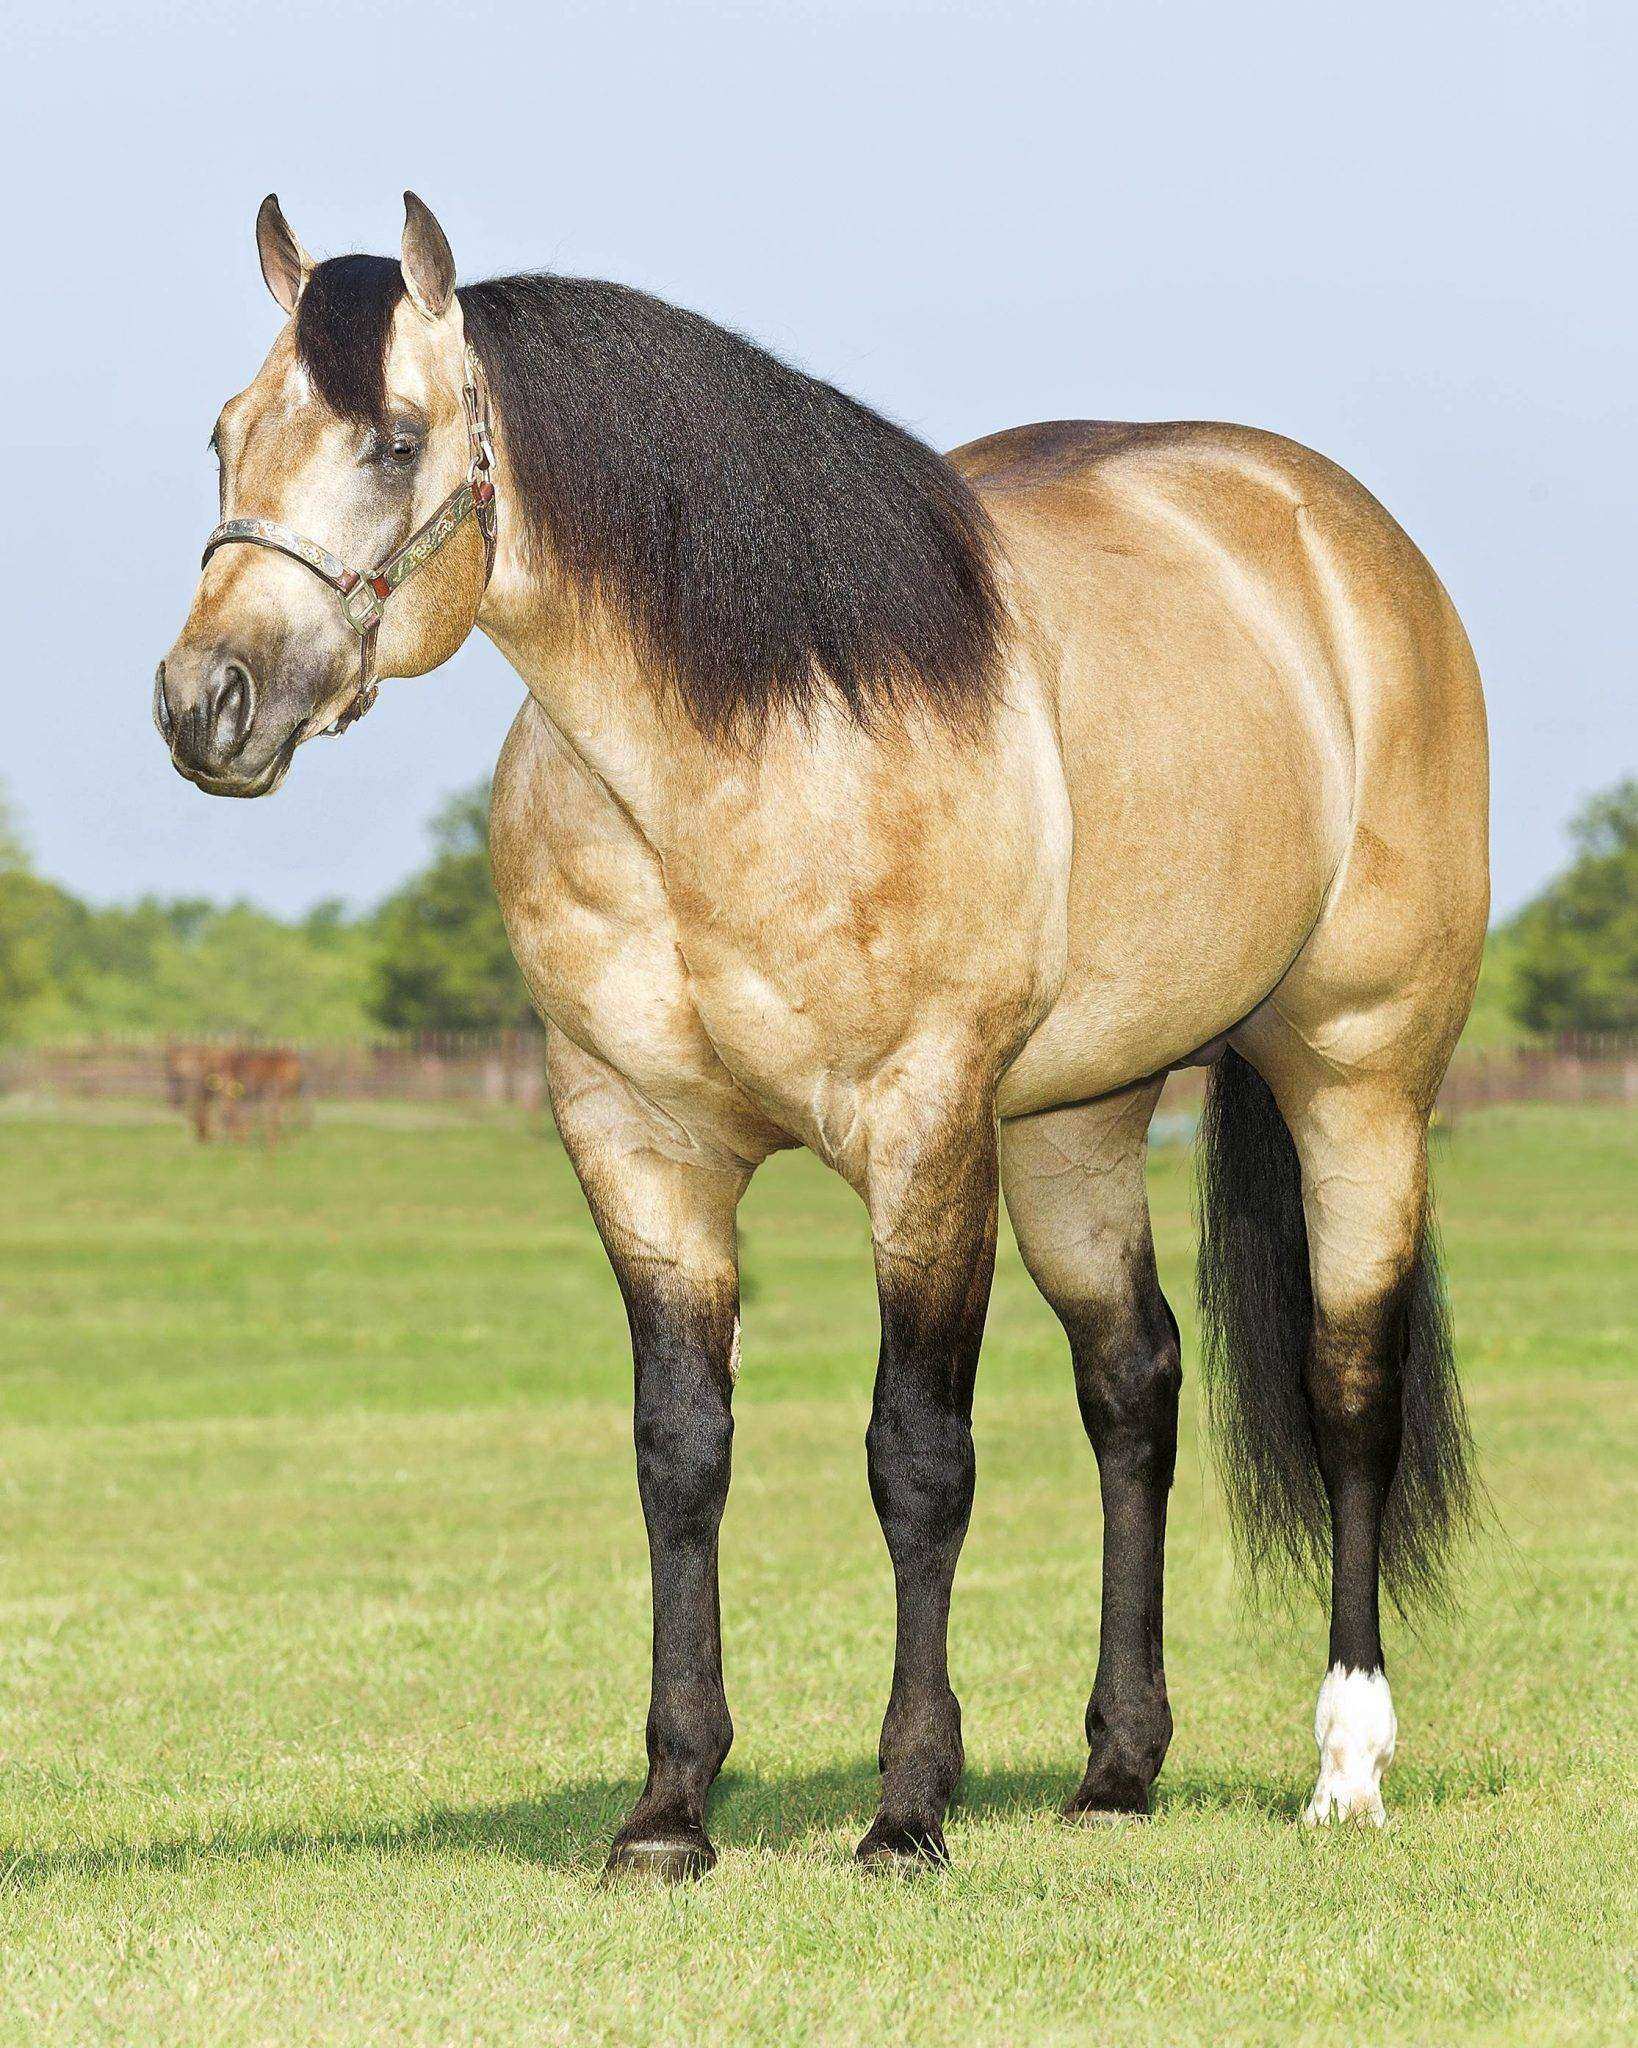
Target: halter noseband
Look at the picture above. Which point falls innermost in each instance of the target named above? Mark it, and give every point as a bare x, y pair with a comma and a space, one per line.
364, 593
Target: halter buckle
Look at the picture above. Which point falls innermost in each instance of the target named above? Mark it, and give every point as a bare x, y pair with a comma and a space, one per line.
360, 606
475, 397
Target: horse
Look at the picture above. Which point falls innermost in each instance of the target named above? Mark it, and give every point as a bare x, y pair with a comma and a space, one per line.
232, 1087
197, 1082
923, 811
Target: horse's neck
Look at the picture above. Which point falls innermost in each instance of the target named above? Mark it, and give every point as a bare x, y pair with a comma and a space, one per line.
586, 682
630, 733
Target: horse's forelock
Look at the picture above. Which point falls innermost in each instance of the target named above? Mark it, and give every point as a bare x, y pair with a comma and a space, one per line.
343, 329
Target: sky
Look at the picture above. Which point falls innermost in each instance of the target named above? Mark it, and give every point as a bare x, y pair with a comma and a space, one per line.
1401, 233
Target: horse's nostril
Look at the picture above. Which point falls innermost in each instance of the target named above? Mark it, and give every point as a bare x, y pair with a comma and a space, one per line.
235, 708
162, 704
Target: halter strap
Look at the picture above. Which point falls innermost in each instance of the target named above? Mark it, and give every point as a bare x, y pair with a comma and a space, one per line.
364, 593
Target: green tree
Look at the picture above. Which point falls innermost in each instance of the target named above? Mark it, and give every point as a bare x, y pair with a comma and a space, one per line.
1576, 963
37, 924
181, 968
23, 960
442, 961
155, 969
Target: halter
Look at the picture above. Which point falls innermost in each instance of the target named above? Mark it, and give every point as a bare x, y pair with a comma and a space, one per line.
364, 593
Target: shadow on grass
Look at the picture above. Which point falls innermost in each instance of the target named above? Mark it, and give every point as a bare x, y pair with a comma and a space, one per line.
567, 1827
794, 1812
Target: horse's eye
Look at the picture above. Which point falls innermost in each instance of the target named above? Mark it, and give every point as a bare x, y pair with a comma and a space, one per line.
403, 448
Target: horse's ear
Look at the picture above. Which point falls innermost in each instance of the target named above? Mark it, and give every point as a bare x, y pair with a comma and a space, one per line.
286, 265
429, 268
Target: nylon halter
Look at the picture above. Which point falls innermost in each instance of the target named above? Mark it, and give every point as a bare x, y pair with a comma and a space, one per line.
364, 592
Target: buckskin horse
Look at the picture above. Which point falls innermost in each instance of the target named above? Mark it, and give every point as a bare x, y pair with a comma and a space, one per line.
925, 812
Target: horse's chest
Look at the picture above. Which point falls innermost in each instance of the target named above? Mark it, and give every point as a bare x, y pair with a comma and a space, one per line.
596, 937
775, 957
695, 1022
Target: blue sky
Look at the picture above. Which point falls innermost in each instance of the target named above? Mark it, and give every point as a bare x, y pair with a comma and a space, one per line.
1401, 233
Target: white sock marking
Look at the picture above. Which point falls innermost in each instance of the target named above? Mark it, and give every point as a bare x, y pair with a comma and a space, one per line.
1355, 1728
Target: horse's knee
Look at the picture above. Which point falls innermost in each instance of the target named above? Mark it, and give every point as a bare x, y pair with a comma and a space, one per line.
921, 1468
684, 1446
1128, 1374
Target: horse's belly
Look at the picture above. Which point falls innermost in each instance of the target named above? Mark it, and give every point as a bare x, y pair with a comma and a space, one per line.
1149, 982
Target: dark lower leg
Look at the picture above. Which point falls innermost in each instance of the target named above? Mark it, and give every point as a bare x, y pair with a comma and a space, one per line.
920, 1449
684, 1429
1127, 1375
1354, 1374
1354, 1399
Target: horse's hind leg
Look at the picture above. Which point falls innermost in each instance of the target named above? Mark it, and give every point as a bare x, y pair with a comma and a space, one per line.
1378, 1384
1074, 1181
1378, 1333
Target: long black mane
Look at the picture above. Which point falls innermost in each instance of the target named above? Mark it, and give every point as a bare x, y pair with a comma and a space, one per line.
759, 536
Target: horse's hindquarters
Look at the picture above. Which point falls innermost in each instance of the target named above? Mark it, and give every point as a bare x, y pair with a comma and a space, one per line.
1259, 675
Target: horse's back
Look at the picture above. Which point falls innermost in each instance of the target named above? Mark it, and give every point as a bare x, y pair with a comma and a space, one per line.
1272, 732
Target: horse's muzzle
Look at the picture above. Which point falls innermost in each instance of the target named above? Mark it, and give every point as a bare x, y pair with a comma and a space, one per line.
207, 716
205, 707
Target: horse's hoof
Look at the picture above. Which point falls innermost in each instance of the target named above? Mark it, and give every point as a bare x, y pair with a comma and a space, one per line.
1106, 1806
1332, 1807
1097, 1816
1355, 1728
1111, 1789
660, 1860
903, 1847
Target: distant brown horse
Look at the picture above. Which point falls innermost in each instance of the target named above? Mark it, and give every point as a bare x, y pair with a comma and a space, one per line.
229, 1091
923, 812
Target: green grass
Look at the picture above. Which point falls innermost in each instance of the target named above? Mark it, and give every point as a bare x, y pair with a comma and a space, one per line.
323, 1616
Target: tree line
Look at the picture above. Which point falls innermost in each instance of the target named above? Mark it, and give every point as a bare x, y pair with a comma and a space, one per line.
434, 957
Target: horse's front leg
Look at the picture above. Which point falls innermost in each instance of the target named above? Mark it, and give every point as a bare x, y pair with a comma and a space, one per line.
668, 1227
932, 1199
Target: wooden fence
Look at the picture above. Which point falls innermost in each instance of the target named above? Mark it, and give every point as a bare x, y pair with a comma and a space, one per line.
479, 1067
1589, 1067
509, 1067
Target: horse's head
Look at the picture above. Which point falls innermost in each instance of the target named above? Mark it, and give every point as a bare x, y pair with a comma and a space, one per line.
356, 456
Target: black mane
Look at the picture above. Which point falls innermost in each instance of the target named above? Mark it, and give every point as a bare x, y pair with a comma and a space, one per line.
760, 536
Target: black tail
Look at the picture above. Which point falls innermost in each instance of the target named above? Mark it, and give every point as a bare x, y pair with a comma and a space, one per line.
1257, 1319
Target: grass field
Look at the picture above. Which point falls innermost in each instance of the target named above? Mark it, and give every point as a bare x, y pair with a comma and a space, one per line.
323, 1637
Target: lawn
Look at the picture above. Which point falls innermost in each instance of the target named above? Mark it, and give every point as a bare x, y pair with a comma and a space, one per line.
323, 1636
